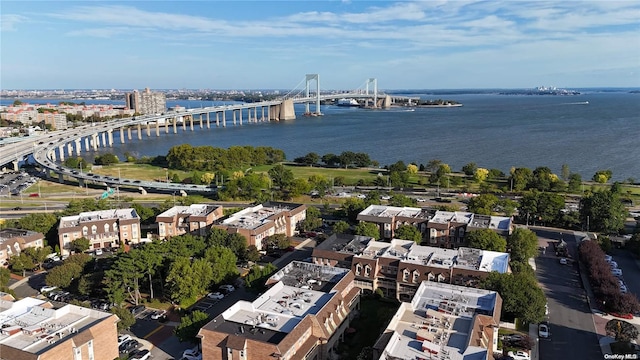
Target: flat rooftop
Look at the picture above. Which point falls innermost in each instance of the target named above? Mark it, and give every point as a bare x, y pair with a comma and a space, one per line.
89, 216
452, 216
194, 209
382, 211
256, 216
10, 234
300, 289
31, 325
426, 325
349, 244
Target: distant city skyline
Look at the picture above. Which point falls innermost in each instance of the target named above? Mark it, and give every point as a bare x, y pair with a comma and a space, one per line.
273, 44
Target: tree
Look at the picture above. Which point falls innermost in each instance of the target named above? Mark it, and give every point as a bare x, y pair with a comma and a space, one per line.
313, 219
401, 200
62, 276
486, 239
180, 280
190, 325
480, 175
281, 176
5, 276
470, 169
522, 298
38, 255
520, 178
279, 241
253, 254
346, 158
106, 159
207, 178
603, 211
330, 159
522, 244
80, 245
575, 183
483, 204
21, 263
602, 176
368, 229
412, 169
39, 222
621, 330
408, 232
126, 317
433, 165
352, 207
565, 172
223, 262
341, 227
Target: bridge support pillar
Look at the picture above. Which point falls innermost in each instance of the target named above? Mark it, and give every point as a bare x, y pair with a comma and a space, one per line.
61, 152
129, 133
70, 149
175, 125
16, 165
240, 112
52, 155
262, 118
166, 125
81, 183
78, 147
140, 131
286, 110
94, 141
209, 123
157, 128
274, 112
86, 144
191, 123
122, 135
234, 117
61, 178
184, 123
224, 119
104, 139
200, 121
110, 137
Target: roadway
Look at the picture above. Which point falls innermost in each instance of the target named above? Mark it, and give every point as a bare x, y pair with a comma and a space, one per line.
573, 332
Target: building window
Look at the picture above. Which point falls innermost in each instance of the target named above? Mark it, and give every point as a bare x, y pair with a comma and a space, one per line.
85, 231
416, 276
367, 270
358, 269
405, 275
90, 348
106, 228
115, 226
94, 229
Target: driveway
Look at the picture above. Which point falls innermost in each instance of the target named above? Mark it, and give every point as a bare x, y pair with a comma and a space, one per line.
573, 333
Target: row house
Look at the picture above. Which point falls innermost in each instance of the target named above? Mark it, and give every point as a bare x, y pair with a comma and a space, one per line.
35, 329
103, 229
194, 219
303, 315
443, 321
398, 267
259, 222
445, 229
13, 241
390, 218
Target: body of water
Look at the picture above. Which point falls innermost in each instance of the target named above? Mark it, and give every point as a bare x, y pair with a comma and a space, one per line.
494, 131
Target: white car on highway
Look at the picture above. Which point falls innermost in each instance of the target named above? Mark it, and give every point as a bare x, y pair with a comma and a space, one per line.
519, 355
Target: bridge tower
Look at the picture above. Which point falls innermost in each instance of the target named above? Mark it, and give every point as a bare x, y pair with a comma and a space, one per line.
373, 81
308, 79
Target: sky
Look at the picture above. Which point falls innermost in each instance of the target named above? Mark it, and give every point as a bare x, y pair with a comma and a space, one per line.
247, 45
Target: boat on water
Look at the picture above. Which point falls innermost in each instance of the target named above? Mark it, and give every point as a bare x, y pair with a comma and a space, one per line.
347, 102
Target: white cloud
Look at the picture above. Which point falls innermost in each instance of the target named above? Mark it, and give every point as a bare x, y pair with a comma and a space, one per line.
8, 22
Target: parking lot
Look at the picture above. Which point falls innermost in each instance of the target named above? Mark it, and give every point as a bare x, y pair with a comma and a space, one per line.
15, 183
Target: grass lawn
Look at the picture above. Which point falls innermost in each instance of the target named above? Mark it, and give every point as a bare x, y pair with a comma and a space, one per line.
375, 314
351, 176
138, 171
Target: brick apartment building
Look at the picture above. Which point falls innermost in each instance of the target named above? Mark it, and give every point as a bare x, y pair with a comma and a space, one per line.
443, 228
302, 316
33, 329
398, 267
443, 321
194, 219
104, 228
259, 222
13, 241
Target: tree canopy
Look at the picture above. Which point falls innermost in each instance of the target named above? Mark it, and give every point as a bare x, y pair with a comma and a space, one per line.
368, 229
408, 232
522, 244
486, 239
603, 211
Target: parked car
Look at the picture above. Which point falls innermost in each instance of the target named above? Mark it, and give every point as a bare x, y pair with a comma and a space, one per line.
613, 264
563, 261
519, 355
622, 316
623, 289
45, 289
215, 295
227, 288
137, 309
128, 346
616, 272
608, 258
192, 354
141, 355
98, 252
123, 338
512, 337
543, 330
158, 314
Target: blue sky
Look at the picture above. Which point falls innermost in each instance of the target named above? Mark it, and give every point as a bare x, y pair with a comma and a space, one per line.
273, 44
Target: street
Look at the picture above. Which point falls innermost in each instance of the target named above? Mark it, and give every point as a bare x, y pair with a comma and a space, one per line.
573, 334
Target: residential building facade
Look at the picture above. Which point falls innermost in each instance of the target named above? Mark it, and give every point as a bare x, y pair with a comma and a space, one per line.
13, 241
390, 218
259, 222
33, 329
443, 321
398, 267
103, 229
303, 315
194, 219
146, 102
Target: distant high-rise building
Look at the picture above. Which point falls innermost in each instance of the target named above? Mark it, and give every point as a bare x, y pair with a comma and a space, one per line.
146, 102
